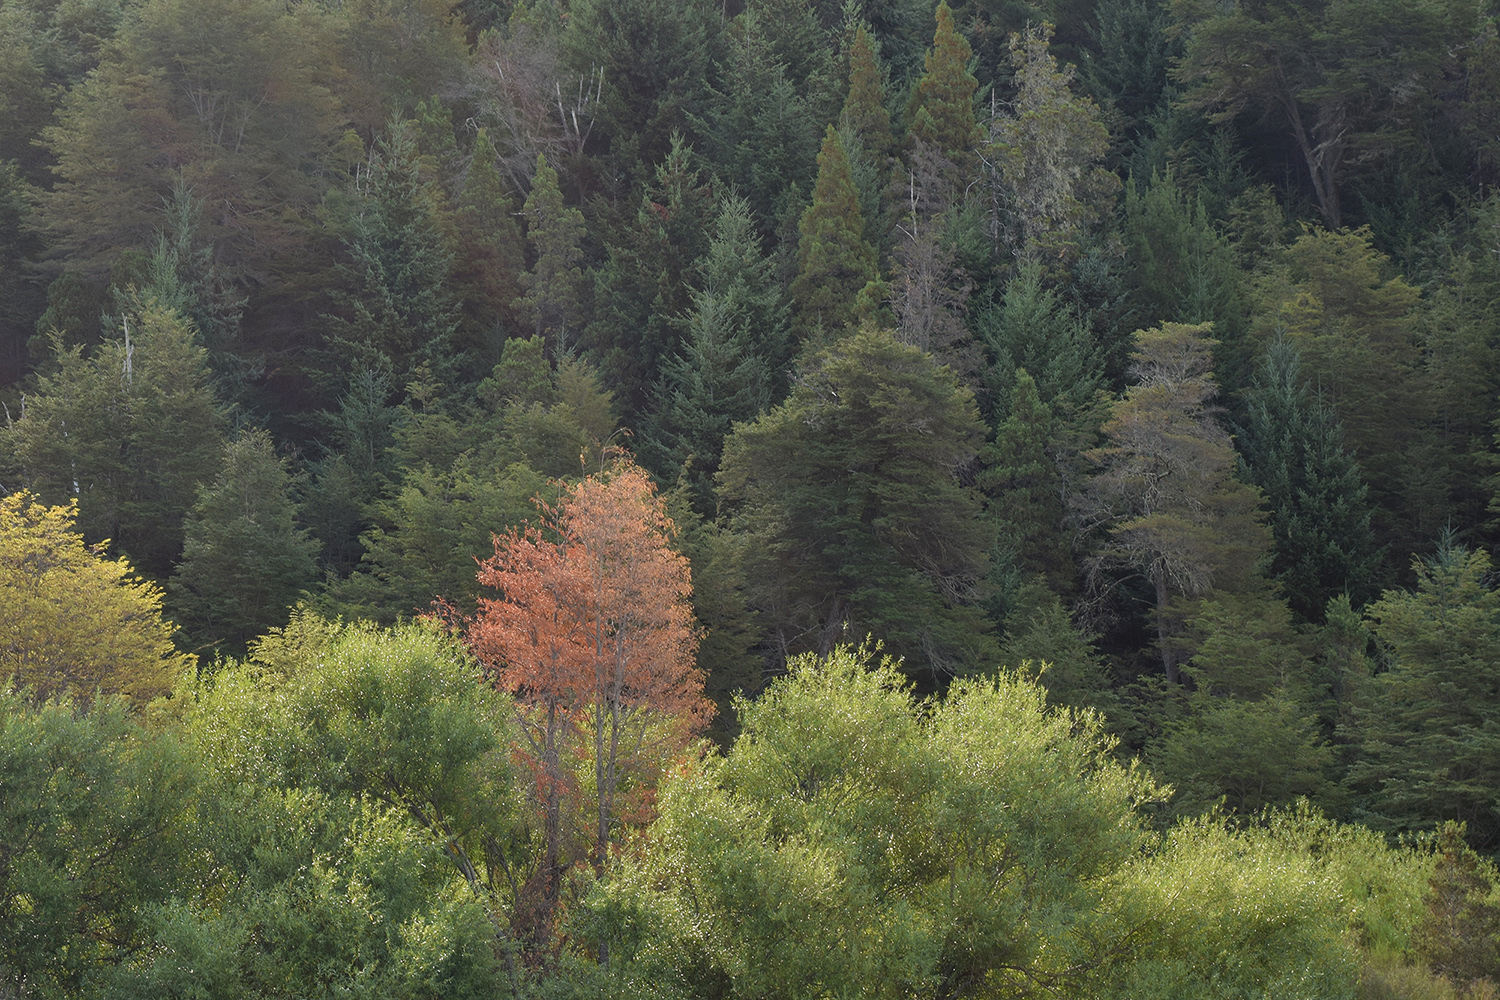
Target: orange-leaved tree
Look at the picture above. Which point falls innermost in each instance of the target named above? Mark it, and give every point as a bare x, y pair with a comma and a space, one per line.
593, 632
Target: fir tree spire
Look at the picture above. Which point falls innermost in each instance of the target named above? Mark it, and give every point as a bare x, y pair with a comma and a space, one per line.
834, 261
941, 113
554, 285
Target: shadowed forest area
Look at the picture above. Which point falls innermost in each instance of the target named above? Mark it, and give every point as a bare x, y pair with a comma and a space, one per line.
775, 498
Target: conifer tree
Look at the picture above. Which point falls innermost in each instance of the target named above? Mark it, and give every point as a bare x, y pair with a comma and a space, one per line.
1165, 489
129, 430
1025, 491
1031, 327
1430, 740
865, 130
554, 283
1291, 445
855, 515
1047, 149
834, 261
394, 308
244, 560
864, 108
941, 113
491, 254
725, 370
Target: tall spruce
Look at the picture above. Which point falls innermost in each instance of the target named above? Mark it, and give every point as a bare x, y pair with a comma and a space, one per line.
554, 283
834, 260
1292, 446
941, 113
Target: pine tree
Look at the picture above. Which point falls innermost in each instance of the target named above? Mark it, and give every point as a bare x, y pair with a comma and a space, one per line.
129, 431
244, 560
1047, 148
1025, 491
490, 254
1031, 327
864, 108
555, 282
1291, 445
394, 308
1430, 747
834, 261
941, 113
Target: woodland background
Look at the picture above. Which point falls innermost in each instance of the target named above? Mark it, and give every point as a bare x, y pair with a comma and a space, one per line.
1135, 358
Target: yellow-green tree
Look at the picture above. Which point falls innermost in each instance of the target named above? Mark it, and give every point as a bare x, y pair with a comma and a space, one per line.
72, 619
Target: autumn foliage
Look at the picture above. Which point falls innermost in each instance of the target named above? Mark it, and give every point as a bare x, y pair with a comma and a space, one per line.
594, 634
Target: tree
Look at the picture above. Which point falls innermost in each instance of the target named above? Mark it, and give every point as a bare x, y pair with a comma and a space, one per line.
129, 431
834, 260
593, 630
1046, 149
244, 560
877, 846
941, 113
857, 521
1024, 489
72, 620
864, 109
1291, 445
395, 310
1430, 739
93, 813
1165, 489
1347, 79
554, 283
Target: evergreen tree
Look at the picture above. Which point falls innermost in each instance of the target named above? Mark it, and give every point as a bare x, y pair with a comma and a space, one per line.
941, 113
1430, 741
864, 108
244, 560
129, 431
763, 135
394, 309
1032, 327
554, 283
1165, 489
1025, 492
1181, 270
834, 261
645, 288
1291, 445
1047, 147
490, 254
855, 515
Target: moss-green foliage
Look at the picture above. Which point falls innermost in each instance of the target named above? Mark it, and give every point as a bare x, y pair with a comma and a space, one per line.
834, 260
856, 518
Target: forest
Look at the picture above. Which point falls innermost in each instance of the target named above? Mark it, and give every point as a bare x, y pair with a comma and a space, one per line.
757, 499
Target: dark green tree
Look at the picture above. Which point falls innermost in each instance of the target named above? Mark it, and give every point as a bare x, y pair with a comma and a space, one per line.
244, 560
1033, 327
554, 283
394, 310
1291, 446
1024, 489
762, 134
1430, 739
834, 260
855, 516
130, 430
